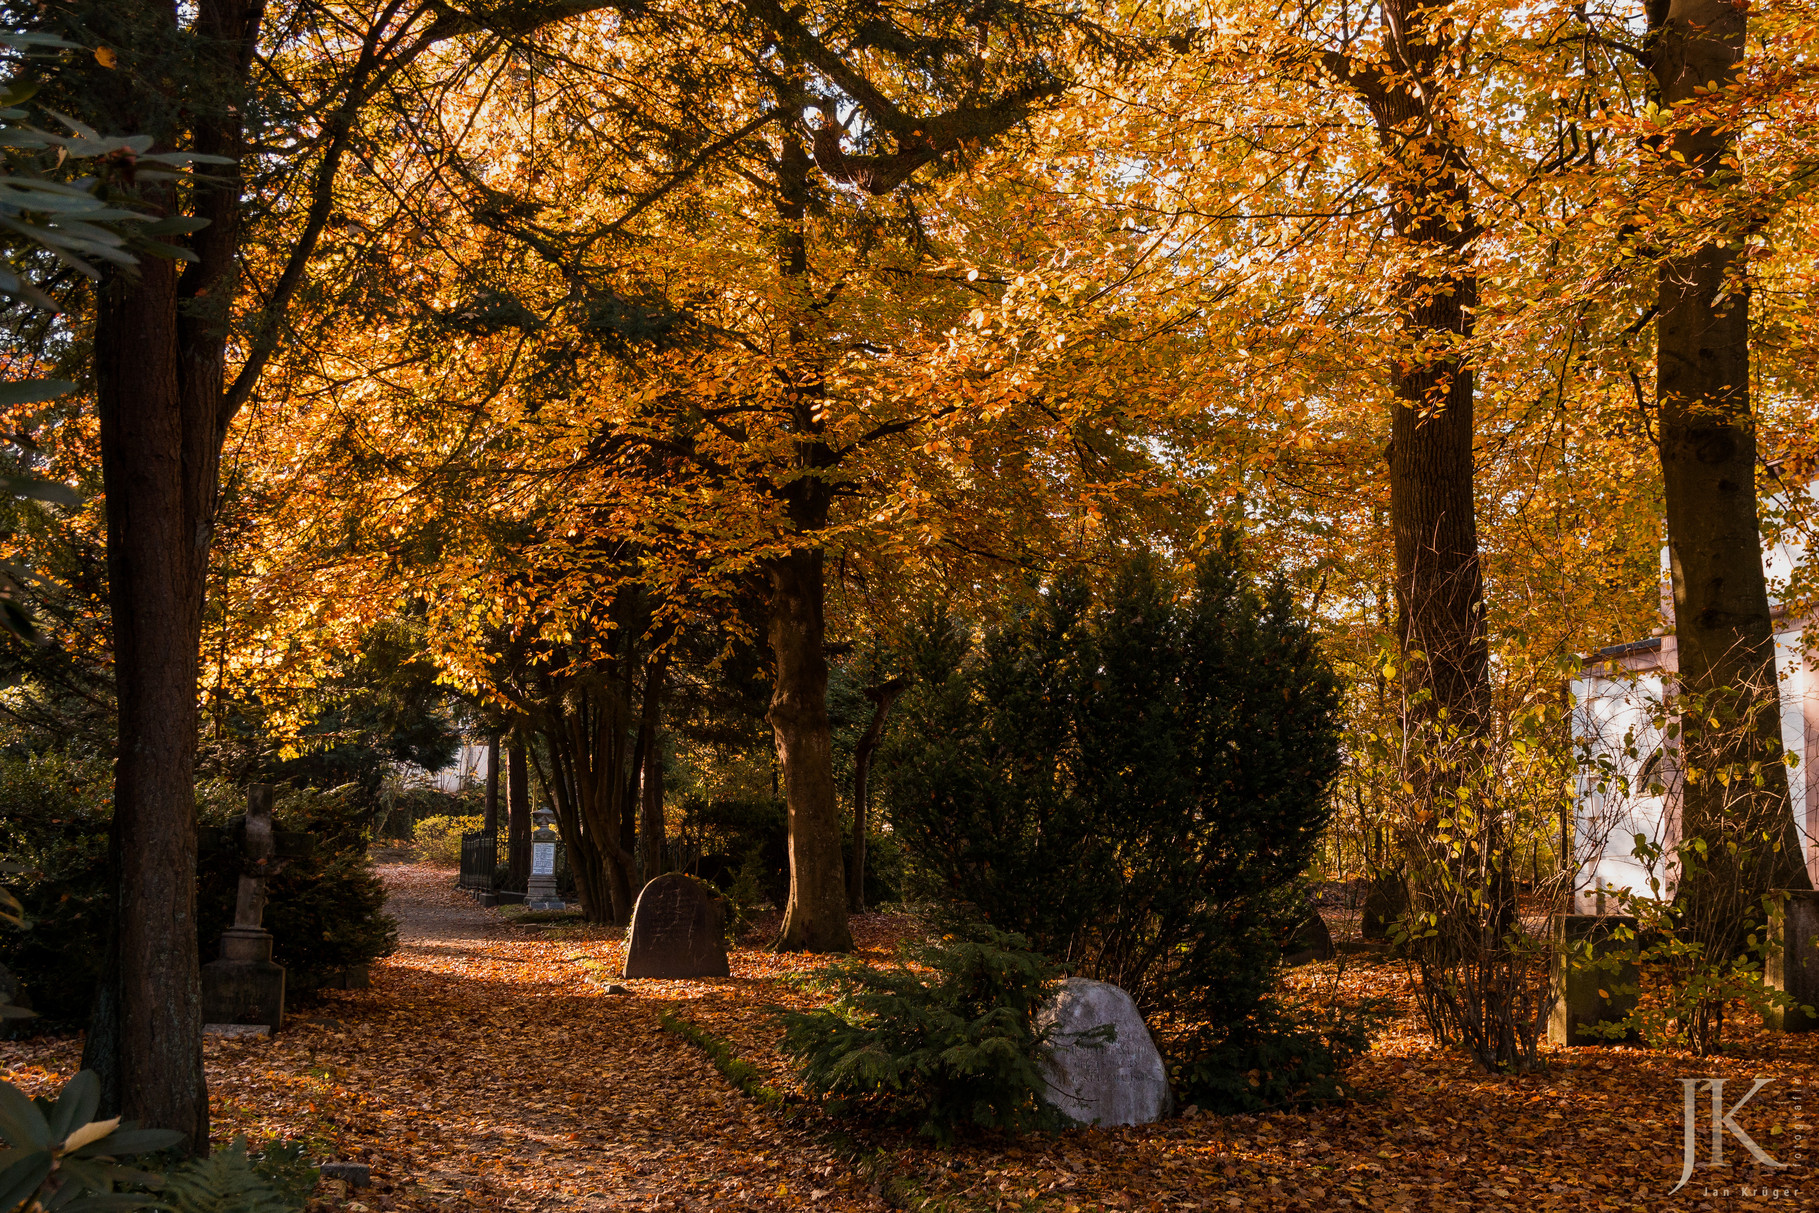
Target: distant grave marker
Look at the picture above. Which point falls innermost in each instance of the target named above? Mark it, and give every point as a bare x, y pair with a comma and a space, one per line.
541, 893
678, 930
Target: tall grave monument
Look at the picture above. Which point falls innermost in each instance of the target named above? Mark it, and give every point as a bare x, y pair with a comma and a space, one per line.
541, 893
245, 988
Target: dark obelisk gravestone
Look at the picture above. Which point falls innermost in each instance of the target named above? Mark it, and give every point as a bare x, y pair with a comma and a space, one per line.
677, 930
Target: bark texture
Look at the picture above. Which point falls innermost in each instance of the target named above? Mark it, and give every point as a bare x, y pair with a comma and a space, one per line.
146, 1038
1433, 517
517, 815
814, 920
1723, 625
651, 827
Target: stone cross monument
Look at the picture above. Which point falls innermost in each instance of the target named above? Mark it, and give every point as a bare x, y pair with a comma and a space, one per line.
541, 893
244, 987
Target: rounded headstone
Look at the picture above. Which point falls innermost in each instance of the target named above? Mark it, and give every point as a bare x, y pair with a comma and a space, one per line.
677, 930
1121, 1081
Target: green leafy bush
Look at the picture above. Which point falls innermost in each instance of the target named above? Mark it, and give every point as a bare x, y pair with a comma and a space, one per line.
326, 911
943, 1039
438, 839
1135, 781
1281, 1056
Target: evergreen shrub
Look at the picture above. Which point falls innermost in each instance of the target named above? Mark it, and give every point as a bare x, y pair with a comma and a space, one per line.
54, 816
943, 1039
1135, 781
326, 911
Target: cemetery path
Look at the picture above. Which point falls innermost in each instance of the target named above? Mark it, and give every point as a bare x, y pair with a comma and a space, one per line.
489, 1068
425, 916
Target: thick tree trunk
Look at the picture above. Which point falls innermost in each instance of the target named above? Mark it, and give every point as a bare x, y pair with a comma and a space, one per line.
160, 364
1433, 512
883, 696
1723, 628
518, 815
146, 1036
650, 776
815, 918
1439, 586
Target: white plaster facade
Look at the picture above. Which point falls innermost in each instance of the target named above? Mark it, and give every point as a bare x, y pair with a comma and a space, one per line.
1617, 700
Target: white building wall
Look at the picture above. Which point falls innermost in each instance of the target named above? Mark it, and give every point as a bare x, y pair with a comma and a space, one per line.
1616, 701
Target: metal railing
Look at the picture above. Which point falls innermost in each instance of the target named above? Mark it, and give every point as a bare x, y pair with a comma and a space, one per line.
479, 860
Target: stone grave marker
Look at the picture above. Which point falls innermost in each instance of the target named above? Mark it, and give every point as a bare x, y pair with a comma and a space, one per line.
1582, 991
244, 989
541, 893
678, 930
1095, 1081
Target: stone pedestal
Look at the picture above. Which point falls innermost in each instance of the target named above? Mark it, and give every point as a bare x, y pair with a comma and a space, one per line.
1792, 965
1581, 992
244, 986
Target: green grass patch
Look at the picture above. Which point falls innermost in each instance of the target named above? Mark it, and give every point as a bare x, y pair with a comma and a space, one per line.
524, 917
744, 1076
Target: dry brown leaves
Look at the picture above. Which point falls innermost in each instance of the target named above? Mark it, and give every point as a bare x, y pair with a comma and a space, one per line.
489, 1069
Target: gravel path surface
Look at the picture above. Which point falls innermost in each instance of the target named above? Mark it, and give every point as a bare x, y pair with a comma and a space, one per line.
429, 908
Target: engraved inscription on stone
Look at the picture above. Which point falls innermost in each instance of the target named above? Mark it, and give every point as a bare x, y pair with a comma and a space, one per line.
677, 930
543, 859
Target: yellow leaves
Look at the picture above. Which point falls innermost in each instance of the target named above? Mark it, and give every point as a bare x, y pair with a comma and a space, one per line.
106, 57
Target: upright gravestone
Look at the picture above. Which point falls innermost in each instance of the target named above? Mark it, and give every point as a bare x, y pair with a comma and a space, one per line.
1594, 976
1097, 1081
541, 893
244, 987
678, 930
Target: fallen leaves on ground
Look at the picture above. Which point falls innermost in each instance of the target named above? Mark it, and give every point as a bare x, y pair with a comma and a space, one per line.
489, 1068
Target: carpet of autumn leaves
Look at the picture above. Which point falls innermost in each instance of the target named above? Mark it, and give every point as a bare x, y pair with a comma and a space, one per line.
490, 1068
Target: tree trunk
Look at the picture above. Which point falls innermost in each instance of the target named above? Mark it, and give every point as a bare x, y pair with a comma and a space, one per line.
146, 1037
1439, 586
518, 816
1433, 518
588, 777
492, 784
883, 696
1723, 627
815, 918
160, 361
651, 823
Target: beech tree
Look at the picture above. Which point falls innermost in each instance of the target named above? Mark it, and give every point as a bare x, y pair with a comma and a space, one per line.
1730, 728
